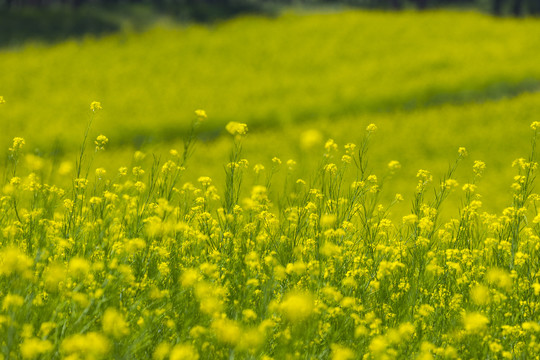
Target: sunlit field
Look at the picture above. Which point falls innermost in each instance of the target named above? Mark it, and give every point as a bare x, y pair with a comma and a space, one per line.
290, 69
352, 185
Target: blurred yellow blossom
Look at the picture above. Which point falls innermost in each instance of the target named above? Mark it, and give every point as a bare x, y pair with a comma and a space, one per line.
236, 129
95, 105
297, 306
184, 352
201, 115
114, 324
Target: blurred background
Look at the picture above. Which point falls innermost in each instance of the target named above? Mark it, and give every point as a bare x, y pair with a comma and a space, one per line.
433, 75
56, 19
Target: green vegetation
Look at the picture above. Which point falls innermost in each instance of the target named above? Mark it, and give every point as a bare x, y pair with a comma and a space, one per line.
432, 81
138, 264
381, 205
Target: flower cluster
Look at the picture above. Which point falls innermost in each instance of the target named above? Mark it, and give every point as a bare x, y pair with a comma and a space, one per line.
139, 264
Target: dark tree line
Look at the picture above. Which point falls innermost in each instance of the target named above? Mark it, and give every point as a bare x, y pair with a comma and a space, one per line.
497, 7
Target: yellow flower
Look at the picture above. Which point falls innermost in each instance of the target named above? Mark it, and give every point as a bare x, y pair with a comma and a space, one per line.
297, 306
161, 351
100, 142
532, 326
480, 294
205, 180
378, 346
341, 352
450, 184
258, 168
462, 152
79, 267
18, 143
236, 129
291, 164
495, 347
330, 145
536, 288
100, 172
53, 276
34, 347
371, 128
2, 101
346, 159
479, 167
424, 176
46, 328
251, 339
95, 105
328, 220
249, 315
227, 331
500, 278
189, 277
184, 352
12, 301
86, 346
114, 324
139, 156
410, 219
394, 165
201, 115
14, 261
474, 322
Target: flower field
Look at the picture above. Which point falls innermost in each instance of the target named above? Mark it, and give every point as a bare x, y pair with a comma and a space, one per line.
464, 78
138, 264
387, 208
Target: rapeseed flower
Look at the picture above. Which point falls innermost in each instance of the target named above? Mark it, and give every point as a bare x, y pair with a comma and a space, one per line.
480, 294
297, 306
475, 322
251, 339
114, 324
227, 331
201, 115
12, 301
89, 346
161, 351
283, 271
18, 143
95, 105
236, 129
394, 165
184, 352
340, 352
100, 142
500, 278
32, 348
14, 261
371, 128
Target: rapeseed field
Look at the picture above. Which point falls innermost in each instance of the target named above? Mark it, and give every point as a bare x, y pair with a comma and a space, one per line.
452, 75
266, 72
138, 264
353, 185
